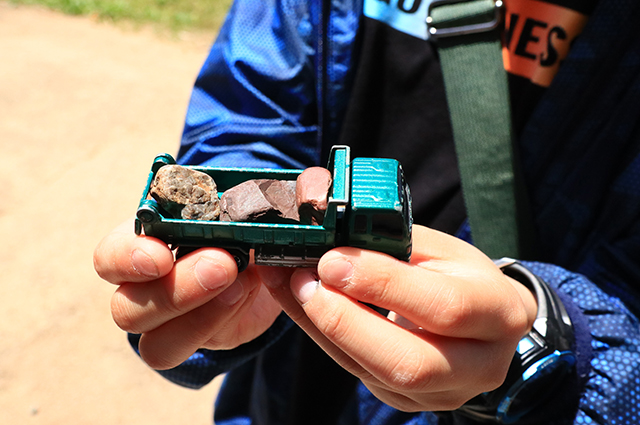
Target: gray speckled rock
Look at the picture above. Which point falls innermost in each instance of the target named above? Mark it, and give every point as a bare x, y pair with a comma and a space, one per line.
208, 211
175, 188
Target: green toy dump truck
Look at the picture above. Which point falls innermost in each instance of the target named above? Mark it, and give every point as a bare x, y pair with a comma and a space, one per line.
369, 206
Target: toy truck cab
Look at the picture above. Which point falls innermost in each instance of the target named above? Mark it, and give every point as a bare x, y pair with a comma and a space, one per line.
369, 206
380, 216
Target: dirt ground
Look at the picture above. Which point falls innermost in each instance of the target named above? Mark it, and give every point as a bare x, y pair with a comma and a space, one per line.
84, 108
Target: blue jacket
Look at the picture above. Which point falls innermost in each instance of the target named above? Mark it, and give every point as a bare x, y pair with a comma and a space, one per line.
272, 93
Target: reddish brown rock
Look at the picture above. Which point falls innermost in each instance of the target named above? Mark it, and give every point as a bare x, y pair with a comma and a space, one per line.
175, 187
266, 201
312, 193
243, 202
281, 194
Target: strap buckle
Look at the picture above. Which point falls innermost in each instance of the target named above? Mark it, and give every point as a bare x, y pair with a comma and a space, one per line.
471, 12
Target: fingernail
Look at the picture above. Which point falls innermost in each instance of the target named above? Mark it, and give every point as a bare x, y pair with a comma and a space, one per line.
304, 286
210, 275
232, 294
144, 264
336, 271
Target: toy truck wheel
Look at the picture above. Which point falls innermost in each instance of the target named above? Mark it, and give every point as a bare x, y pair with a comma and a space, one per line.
147, 213
146, 216
241, 257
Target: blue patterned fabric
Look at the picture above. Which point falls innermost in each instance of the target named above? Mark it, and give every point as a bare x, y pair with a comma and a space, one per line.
252, 104
272, 93
274, 86
612, 392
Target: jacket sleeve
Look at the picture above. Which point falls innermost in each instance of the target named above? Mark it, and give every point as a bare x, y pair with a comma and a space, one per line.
606, 389
254, 102
204, 365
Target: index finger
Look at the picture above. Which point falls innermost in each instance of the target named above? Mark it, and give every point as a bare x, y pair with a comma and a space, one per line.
122, 256
468, 298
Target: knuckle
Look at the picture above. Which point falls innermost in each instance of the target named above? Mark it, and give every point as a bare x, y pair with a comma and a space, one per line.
201, 327
518, 323
511, 323
406, 380
454, 313
334, 324
137, 307
123, 315
168, 300
410, 374
172, 304
220, 343
377, 291
99, 264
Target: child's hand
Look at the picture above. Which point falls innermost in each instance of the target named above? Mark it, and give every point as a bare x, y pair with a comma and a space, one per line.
198, 301
458, 319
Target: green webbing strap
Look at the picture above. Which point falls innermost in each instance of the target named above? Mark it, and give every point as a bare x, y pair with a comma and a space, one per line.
477, 92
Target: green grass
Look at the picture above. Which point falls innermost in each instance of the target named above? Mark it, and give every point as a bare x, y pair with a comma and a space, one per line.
174, 15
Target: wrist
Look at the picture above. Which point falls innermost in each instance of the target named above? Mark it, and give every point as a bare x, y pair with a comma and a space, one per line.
542, 362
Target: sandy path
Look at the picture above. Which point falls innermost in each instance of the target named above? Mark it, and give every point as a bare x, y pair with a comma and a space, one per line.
84, 107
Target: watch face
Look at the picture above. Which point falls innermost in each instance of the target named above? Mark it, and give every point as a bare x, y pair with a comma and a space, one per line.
534, 387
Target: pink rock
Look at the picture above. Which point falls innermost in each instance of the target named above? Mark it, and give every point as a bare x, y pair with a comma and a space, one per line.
312, 192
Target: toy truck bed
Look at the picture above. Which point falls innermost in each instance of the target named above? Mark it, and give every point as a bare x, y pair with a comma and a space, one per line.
293, 244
